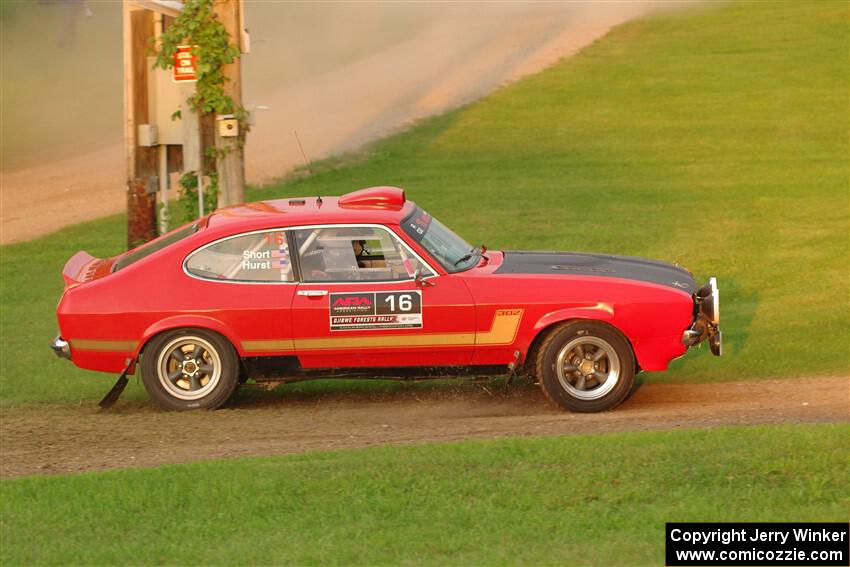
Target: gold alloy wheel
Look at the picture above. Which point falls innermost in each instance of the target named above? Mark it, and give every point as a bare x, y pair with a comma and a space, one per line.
189, 367
588, 367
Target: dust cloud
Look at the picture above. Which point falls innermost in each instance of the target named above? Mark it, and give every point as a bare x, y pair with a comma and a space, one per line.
340, 74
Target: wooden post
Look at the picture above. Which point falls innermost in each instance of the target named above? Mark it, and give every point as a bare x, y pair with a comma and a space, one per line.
231, 165
141, 161
193, 148
162, 149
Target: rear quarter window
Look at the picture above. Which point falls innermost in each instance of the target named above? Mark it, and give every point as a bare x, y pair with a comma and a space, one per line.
254, 257
154, 246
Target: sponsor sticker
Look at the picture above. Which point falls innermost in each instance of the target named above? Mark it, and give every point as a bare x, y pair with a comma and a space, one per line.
418, 225
376, 310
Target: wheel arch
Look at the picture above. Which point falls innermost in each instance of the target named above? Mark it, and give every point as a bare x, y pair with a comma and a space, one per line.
603, 314
188, 322
599, 312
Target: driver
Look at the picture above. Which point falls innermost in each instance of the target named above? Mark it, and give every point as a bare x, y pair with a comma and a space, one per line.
363, 256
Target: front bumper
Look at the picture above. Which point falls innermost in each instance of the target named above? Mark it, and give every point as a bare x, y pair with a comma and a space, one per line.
706, 323
61, 347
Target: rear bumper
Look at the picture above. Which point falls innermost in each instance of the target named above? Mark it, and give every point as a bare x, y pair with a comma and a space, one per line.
61, 347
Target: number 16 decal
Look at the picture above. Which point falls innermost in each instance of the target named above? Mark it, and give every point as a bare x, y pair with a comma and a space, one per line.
376, 310
399, 302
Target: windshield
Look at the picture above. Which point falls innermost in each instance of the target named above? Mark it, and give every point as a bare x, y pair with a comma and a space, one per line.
156, 245
450, 250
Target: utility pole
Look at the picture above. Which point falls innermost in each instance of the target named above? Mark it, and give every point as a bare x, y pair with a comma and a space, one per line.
156, 145
141, 161
228, 138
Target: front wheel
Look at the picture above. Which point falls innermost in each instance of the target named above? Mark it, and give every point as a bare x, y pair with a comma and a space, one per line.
190, 369
586, 366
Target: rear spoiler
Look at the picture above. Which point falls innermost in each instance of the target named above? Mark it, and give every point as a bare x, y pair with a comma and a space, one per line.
78, 268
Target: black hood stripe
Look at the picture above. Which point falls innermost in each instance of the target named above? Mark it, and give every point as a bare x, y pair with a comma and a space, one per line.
576, 264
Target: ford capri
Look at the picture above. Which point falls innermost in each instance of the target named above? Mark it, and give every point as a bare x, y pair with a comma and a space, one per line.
371, 285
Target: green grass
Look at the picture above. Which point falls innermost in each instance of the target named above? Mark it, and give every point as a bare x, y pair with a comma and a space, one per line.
587, 500
717, 138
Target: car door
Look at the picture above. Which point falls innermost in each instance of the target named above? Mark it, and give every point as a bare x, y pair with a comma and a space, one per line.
358, 303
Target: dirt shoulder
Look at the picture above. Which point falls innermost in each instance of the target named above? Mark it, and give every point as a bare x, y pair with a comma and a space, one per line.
76, 439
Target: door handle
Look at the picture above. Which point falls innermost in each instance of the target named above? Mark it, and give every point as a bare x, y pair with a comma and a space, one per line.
313, 292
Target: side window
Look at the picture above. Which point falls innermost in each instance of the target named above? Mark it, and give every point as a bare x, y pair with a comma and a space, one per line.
354, 253
257, 257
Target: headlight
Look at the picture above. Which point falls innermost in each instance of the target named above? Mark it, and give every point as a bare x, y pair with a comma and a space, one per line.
715, 293
709, 301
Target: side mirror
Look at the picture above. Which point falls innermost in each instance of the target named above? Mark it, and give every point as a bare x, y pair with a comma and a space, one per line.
419, 279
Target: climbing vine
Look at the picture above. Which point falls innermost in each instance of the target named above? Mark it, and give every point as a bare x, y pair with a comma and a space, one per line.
197, 25
188, 202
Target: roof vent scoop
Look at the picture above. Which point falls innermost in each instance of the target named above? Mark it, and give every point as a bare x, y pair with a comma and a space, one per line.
374, 198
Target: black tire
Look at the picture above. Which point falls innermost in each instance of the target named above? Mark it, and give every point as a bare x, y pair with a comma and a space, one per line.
205, 378
597, 366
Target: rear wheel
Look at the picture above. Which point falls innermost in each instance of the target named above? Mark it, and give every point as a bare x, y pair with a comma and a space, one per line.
190, 369
586, 366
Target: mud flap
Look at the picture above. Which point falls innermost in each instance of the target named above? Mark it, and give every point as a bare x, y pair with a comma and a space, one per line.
715, 341
513, 369
112, 396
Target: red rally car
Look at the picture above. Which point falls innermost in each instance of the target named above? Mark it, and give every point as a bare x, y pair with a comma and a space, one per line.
369, 284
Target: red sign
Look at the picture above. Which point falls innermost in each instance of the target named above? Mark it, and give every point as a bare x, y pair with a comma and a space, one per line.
184, 65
